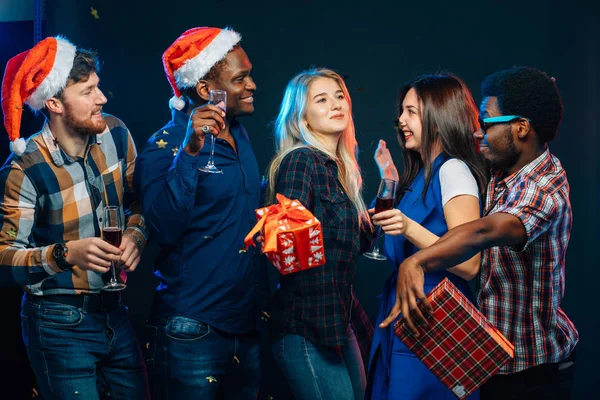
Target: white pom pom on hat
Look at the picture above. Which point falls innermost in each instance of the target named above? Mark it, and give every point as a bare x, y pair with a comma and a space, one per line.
18, 146
177, 103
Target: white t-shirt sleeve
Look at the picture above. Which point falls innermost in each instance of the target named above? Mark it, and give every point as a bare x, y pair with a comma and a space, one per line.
456, 179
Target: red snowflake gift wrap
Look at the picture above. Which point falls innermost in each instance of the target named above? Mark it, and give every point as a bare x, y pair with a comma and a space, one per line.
458, 345
292, 236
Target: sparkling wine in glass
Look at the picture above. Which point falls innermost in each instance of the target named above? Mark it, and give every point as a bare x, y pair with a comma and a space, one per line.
112, 232
385, 201
218, 98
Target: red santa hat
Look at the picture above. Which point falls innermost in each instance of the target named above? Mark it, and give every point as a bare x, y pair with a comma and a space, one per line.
192, 55
31, 78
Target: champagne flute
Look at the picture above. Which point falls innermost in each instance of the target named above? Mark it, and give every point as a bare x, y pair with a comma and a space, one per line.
385, 201
112, 232
218, 98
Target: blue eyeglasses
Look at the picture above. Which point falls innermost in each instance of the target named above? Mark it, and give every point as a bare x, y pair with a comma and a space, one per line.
487, 123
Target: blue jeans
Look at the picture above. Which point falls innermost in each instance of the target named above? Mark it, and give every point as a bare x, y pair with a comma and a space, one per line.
188, 359
317, 372
77, 353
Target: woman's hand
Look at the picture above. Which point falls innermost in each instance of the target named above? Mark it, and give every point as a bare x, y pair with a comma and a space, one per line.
383, 159
392, 222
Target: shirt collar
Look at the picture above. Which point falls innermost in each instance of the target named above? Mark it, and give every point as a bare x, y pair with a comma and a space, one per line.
59, 157
323, 156
526, 171
179, 117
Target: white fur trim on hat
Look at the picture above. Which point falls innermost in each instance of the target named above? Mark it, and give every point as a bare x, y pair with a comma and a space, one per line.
197, 67
177, 103
58, 76
18, 146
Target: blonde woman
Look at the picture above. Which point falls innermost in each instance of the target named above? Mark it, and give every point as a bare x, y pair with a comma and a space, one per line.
317, 321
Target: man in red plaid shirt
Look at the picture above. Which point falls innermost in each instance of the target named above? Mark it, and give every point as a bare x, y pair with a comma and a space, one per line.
523, 235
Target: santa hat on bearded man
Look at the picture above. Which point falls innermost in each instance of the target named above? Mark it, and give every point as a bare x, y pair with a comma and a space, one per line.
192, 55
31, 78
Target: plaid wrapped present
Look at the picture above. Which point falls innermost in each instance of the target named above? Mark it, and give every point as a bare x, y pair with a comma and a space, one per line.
459, 345
292, 236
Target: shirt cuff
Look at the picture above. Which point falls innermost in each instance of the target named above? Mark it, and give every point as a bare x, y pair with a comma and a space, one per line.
50, 265
136, 228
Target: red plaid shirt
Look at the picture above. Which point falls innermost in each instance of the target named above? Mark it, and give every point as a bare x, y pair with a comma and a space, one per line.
522, 287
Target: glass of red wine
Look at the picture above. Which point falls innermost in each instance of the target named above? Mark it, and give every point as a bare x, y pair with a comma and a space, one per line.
385, 201
112, 232
218, 98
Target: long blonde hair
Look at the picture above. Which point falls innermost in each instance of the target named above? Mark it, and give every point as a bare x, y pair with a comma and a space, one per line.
292, 133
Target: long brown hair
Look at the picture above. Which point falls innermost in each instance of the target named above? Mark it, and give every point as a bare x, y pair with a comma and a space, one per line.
449, 117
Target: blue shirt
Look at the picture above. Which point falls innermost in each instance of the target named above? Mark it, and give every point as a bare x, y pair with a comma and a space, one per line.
200, 221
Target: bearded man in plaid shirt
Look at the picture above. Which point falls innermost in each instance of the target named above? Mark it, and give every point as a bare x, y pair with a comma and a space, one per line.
523, 235
54, 187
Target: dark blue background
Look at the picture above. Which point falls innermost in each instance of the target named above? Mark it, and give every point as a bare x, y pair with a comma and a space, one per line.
377, 45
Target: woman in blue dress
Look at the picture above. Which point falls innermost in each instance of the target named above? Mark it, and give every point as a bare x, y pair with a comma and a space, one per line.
440, 187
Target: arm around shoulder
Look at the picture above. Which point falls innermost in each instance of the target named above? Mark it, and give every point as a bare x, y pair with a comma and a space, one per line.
466, 240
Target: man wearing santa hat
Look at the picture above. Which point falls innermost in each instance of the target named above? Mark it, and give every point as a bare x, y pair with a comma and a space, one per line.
54, 188
211, 289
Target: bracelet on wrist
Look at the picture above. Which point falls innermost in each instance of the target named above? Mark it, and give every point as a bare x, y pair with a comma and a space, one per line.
138, 241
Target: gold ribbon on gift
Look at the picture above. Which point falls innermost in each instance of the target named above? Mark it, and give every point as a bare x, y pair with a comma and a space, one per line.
285, 209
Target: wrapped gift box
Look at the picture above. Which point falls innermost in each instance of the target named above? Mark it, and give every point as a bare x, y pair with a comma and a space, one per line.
458, 345
292, 236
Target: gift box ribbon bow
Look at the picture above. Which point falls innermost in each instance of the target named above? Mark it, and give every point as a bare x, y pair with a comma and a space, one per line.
280, 218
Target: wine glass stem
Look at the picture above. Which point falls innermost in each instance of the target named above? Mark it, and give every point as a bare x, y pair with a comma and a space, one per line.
113, 278
212, 150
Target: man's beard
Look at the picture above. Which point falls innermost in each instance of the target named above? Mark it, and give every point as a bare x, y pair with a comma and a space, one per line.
85, 127
506, 159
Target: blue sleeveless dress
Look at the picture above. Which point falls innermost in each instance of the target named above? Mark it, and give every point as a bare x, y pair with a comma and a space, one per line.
394, 371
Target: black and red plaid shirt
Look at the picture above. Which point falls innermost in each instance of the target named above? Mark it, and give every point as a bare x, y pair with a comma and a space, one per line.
522, 288
319, 303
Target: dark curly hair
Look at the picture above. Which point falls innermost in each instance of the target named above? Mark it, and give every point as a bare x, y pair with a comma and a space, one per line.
530, 93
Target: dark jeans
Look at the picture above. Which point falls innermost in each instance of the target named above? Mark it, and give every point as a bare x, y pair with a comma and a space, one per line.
543, 382
82, 352
188, 359
316, 372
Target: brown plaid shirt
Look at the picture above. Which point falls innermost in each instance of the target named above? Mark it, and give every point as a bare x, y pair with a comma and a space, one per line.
49, 197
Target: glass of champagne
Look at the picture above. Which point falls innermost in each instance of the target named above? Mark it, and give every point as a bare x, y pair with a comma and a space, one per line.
218, 98
112, 232
385, 201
